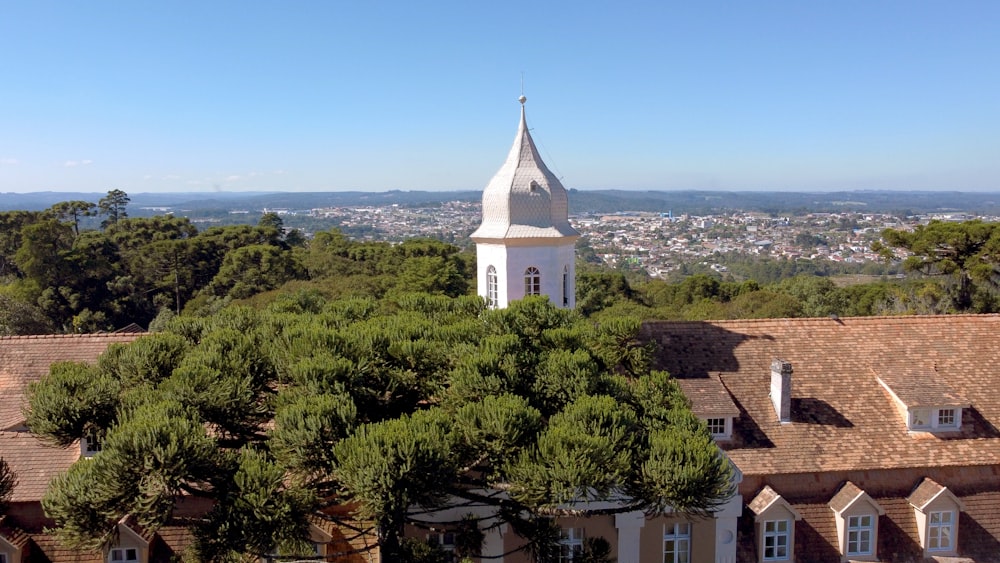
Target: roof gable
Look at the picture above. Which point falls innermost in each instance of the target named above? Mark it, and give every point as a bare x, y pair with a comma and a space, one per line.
929, 492
850, 496
768, 500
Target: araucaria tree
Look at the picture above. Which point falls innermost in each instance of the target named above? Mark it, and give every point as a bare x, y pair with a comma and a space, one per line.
390, 407
965, 254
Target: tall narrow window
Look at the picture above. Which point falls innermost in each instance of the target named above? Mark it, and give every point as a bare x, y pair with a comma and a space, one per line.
566, 286
90, 444
776, 534
491, 286
532, 281
860, 531
940, 528
570, 544
677, 543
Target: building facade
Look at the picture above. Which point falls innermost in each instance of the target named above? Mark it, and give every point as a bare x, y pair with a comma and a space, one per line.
525, 244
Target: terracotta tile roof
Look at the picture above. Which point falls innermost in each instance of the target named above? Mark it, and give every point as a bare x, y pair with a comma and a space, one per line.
764, 499
24, 359
34, 462
842, 418
12, 534
921, 388
708, 397
845, 497
55, 552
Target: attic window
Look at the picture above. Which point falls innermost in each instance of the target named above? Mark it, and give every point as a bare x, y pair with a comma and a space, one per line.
948, 418
90, 444
936, 510
719, 427
123, 555
856, 515
925, 400
711, 402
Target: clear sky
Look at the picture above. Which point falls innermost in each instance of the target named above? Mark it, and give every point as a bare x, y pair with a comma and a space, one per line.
195, 96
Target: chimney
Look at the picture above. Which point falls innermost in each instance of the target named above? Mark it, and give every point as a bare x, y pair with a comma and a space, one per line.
781, 389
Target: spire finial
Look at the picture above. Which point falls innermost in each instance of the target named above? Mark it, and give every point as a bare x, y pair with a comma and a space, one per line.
522, 99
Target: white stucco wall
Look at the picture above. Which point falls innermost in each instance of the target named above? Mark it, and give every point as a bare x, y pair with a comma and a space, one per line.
511, 262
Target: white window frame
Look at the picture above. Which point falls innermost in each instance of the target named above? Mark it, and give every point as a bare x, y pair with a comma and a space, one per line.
491, 286
445, 541
532, 281
90, 444
3, 557
121, 555
570, 544
712, 423
942, 418
860, 534
777, 540
677, 543
941, 533
946, 418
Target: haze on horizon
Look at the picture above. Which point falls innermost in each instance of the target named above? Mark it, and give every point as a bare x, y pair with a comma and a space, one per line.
337, 96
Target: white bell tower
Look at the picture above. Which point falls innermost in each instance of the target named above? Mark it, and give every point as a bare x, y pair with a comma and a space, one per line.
525, 245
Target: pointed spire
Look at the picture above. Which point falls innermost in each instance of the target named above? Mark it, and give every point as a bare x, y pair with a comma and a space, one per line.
524, 199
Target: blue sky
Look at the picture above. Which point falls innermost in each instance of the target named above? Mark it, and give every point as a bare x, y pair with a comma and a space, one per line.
378, 95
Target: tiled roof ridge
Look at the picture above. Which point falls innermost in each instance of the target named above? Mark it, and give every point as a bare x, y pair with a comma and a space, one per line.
69, 336
803, 320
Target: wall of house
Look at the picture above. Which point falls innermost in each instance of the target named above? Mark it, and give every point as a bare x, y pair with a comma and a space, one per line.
511, 260
702, 538
28, 515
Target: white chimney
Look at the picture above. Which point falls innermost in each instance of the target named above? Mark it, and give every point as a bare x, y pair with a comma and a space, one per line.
781, 389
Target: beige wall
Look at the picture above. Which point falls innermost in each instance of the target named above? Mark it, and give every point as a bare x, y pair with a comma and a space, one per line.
702, 538
650, 539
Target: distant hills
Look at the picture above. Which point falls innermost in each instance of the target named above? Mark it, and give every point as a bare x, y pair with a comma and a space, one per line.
694, 202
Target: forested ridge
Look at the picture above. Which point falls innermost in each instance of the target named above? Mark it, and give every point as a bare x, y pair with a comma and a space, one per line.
58, 277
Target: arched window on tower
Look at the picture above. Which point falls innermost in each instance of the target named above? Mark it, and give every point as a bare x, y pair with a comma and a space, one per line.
566, 286
491, 286
532, 281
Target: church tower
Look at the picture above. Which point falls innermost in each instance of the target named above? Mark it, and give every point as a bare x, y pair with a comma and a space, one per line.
525, 245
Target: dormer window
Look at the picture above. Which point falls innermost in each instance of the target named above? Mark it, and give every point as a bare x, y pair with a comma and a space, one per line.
718, 427
775, 522
926, 402
856, 515
711, 402
945, 418
936, 510
930, 419
123, 555
90, 444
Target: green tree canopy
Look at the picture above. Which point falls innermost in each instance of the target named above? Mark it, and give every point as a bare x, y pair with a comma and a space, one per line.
967, 254
389, 406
